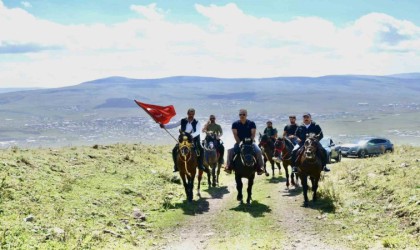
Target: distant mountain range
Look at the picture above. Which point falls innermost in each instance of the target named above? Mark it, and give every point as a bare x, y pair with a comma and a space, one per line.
43, 113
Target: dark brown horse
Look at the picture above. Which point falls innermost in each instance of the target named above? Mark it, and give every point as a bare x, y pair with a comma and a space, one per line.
245, 165
283, 153
187, 163
309, 165
267, 148
211, 157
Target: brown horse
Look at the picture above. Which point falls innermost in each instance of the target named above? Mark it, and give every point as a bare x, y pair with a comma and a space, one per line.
245, 165
211, 157
283, 152
309, 165
187, 163
267, 148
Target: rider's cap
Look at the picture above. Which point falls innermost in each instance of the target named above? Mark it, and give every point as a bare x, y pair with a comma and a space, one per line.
306, 114
269, 122
292, 116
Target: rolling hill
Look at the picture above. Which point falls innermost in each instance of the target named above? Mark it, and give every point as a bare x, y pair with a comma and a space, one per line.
103, 110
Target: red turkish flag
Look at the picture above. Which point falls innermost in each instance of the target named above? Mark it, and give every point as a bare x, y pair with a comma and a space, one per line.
161, 114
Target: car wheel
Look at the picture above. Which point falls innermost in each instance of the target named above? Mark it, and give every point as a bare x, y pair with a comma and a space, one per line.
338, 159
388, 151
362, 154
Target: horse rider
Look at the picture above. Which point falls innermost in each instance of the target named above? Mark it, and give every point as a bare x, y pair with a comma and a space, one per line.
289, 130
192, 126
241, 129
270, 131
212, 126
308, 126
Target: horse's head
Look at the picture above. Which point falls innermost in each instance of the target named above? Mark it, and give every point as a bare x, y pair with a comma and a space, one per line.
185, 143
264, 140
279, 145
247, 152
310, 146
210, 140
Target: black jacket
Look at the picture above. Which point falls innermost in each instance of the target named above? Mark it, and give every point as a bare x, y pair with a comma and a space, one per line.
302, 131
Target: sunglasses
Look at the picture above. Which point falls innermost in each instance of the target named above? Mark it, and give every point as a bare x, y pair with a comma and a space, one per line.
242, 114
212, 118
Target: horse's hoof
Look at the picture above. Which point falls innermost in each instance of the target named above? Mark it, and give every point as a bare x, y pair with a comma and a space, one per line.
306, 204
267, 174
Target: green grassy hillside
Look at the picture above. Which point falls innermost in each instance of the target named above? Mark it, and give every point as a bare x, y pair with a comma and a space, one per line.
377, 200
126, 197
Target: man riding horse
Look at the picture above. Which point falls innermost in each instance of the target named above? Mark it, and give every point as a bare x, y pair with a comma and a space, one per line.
289, 130
241, 129
212, 126
192, 126
271, 132
307, 127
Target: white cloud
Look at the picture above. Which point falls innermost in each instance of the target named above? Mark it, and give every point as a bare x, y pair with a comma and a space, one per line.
232, 44
26, 4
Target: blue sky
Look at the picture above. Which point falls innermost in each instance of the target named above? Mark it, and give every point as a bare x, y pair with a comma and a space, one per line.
59, 43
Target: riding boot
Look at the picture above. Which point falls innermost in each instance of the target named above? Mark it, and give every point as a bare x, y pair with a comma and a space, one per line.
174, 158
325, 169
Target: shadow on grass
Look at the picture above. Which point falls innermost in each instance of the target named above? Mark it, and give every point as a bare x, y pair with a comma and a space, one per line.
276, 179
194, 207
255, 209
292, 191
217, 192
324, 204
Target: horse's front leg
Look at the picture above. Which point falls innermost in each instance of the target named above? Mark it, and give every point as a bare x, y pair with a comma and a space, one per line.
184, 182
265, 166
286, 170
249, 190
278, 166
209, 175
199, 177
305, 190
239, 186
219, 166
314, 182
191, 187
213, 173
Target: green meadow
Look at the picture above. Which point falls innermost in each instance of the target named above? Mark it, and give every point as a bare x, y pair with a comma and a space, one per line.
125, 196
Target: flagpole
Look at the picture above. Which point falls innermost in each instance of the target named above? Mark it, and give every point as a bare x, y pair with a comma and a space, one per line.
170, 134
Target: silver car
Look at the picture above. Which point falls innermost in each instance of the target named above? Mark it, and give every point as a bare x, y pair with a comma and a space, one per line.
333, 151
366, 147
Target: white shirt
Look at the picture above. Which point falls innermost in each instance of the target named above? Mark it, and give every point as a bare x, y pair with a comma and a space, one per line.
188, 128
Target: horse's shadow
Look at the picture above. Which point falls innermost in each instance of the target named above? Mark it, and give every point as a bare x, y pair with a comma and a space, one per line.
276, 179
323, 204
255, 209
194, 207
217, 192
294, 191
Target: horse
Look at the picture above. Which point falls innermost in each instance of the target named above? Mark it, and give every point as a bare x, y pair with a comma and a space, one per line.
309, 165
267, 148
187, 163
211, 158
283, 153
245, 167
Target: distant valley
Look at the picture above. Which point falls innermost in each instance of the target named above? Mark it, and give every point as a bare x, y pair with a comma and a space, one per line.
102, 111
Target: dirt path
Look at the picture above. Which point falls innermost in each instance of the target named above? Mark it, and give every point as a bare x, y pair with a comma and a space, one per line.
300, 227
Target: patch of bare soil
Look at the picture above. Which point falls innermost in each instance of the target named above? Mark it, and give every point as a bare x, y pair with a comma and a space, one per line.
198, 229
302, 226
